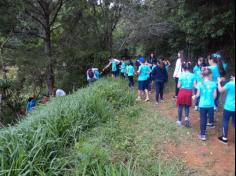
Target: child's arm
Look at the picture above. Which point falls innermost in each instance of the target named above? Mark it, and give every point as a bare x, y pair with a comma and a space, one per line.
195, 84
215, 94
220, 88
197, 95
168, 62
108, 65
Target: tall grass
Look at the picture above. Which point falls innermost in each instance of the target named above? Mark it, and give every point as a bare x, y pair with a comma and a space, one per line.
37, 144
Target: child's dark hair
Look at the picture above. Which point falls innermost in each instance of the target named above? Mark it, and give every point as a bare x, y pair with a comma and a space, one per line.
186, 66
216, 57
30, 99
205, 72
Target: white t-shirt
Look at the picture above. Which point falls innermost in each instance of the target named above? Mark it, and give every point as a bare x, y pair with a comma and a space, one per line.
178, 69
60, 93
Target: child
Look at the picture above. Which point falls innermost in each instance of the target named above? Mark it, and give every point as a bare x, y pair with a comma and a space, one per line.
130, 73
229, 107
197, 72
186, 84
207, 92
217, 70
178, 71
91, 78
167, 64
159, 75
31, 103
122, 69
143, 72
113, 63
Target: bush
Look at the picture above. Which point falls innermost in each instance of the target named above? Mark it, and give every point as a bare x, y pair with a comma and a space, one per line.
36, 144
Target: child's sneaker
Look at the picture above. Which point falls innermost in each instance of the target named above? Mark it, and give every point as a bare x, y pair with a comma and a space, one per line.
216, 109
196, 108
138, 99
162, 101
210, 125
202, 137
178, 123
187, 123
147, 99
157, 103
223, 140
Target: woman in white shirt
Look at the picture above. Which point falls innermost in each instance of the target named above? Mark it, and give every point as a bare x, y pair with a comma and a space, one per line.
178, 71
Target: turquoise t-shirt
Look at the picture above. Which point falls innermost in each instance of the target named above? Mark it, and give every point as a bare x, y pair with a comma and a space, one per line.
130, 70
167, 67
215, 73
153, 67
225, 66
122, 70
149, 70
143, 72
230, 98
197, 73
206, 89
114, 68
187, 80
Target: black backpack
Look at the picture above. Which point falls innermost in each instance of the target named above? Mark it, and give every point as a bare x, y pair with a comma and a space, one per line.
90, 73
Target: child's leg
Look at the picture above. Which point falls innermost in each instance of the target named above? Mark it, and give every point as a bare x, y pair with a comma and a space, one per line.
233, 119
176, 87
186, 121
130, 84
203, 120
187, 110
180, 111
211, 116
161, 90
225, 123
132, 81
157, 91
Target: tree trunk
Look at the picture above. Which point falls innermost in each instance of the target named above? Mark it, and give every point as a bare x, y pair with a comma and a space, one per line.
47, 51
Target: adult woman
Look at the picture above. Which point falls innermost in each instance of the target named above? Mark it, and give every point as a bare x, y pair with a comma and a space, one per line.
178, 71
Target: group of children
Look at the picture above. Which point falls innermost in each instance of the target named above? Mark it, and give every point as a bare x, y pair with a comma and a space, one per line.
202, 84
206, 83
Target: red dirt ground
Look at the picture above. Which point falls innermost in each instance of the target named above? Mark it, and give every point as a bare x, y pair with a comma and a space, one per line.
210, 158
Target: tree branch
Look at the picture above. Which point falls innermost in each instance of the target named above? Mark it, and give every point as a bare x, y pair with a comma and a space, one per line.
31, 33
36, 19
57, 11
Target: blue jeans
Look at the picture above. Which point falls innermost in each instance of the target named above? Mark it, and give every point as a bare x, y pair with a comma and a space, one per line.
180, 111
225, 121
206, 113
197, 99
159, 85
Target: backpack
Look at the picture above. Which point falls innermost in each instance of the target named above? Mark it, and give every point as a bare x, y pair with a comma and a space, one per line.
90, 73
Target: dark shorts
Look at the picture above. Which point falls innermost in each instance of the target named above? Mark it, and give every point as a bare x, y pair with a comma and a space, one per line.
142, 85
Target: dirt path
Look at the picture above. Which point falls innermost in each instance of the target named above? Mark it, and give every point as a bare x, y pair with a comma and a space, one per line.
210, 158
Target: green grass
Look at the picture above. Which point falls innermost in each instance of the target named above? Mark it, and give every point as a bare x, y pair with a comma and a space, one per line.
97, 131
38, 144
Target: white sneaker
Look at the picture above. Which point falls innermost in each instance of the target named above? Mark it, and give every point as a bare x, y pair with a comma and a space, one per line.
178, 123
196, 108
138, 99
147, 99
202, 137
